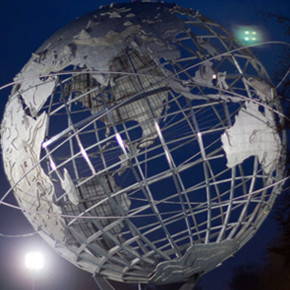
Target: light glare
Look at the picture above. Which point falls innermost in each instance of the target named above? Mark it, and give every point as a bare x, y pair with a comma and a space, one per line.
52, 164
120, 141
248, 35
34, 261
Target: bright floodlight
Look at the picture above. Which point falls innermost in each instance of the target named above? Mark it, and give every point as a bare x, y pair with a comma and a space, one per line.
34, 261
248, 35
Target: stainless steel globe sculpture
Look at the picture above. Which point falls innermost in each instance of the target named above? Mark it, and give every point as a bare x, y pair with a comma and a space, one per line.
141, 142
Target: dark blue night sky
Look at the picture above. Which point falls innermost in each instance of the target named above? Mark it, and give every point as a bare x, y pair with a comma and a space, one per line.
24, 26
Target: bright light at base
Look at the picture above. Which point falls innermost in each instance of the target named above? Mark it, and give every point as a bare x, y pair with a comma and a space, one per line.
34, 260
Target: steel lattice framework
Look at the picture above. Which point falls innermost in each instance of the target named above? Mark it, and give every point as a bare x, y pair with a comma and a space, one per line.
147, 148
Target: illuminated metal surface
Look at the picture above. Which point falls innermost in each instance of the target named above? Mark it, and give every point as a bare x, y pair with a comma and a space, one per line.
153, 136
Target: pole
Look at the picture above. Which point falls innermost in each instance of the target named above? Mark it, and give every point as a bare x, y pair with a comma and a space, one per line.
33, 281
